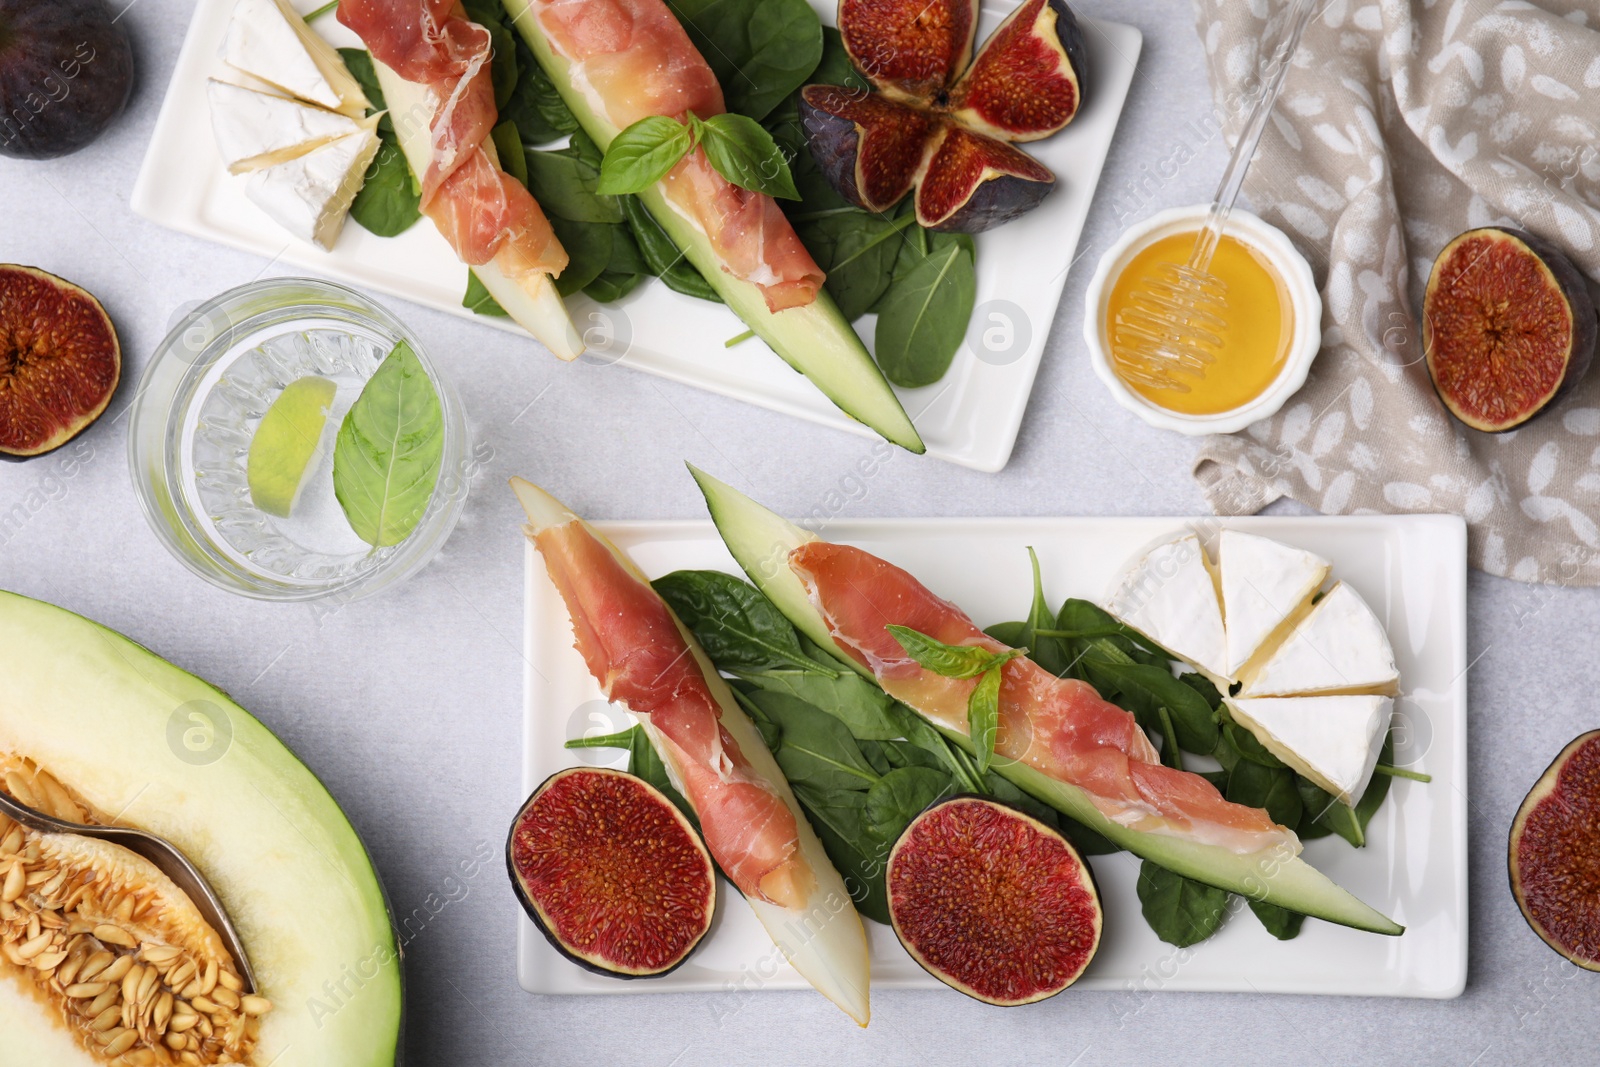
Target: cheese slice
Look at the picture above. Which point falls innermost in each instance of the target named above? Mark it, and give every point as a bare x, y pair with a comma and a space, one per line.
1333, 740
256, 130
1169, 595
1264, 582
1339, 647
268, 39
310, 195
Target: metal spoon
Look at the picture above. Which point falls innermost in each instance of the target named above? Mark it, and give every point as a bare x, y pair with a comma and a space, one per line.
172, 863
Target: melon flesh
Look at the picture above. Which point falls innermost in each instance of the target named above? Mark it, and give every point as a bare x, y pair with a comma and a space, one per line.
128, 732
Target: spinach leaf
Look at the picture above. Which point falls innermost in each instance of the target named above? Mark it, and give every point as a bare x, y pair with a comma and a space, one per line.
1180, 911
1087, 620
620, 739
1008, 633
900, 796
1144, 689
983, 716
642, 154
388, 202
868, 712
1256, 786
839, 819
857, 250
663, 257
588, 246
1280, 923
479, 299
760, 50
612, 285
740, 629
1202, 685
923, 315
564, 180
504, 65
645, 762
1048, 652
386, 458
508, 146
1245, 744
541, 116
876, 754
741, 150
814, 748
1324, 814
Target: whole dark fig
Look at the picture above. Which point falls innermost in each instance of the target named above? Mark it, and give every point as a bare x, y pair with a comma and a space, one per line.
66, 69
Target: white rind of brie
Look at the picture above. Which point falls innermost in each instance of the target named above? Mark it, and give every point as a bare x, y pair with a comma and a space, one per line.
1340, 646
1263, 583
1170, 596
310, 195
268, 39
1332, 740
256, 130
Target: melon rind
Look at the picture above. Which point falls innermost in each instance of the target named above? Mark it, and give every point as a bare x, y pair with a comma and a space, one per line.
96, 710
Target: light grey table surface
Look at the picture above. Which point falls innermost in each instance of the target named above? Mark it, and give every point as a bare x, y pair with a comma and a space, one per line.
408, 704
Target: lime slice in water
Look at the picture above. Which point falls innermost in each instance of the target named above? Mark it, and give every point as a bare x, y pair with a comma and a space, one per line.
285, 447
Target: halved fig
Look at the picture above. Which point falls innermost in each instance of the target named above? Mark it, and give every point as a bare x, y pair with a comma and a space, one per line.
938, 124
1508, 327
1027, 82
611, 872
1555, 853
993, 902
59, 361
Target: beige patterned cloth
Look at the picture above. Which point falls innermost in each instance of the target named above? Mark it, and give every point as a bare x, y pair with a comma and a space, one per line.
1402, 123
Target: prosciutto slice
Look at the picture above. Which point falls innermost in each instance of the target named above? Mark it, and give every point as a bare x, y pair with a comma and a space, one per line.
482, 211
1059, 726
632, 59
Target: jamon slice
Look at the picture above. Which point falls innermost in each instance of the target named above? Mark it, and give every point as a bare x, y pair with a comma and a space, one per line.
646, 660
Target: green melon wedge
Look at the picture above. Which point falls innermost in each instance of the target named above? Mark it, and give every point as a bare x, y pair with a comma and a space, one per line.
815, 340
166, 752
761, 542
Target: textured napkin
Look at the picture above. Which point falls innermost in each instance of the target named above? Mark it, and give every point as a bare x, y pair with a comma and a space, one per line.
1401, 124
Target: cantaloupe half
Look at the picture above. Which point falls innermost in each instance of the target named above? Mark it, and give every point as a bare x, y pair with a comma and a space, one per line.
131, 737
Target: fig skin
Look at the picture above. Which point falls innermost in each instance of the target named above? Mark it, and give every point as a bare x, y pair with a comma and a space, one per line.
66, 71
930, 93
1568, 281
646, 794
1545, 791
51, 395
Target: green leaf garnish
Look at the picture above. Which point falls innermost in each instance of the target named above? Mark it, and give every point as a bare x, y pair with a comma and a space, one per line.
949, 661
742, 151
387, 456
983, 716
642, 154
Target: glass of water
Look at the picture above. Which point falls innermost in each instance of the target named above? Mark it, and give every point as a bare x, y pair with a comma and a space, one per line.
199, 403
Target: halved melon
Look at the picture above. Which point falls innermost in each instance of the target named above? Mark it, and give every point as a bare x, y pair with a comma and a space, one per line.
760, 541
98, 728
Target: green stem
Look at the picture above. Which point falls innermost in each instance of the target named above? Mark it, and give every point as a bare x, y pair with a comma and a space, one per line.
1171, 737
617, 740
739, 340
1400, 772
323, 10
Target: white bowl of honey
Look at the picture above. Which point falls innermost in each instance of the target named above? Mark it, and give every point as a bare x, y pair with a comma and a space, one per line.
1274, 321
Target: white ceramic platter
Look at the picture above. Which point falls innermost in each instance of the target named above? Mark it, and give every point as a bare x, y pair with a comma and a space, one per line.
971, 417
1410, 569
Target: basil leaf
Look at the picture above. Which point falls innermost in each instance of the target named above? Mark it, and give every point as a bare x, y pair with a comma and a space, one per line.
386, 458
741, 150
612, 285
663, 258
740, 629
642, 154
983, 716
814, 748
922, 316
900, 796
479, 298
1180, 911
760, 50
1280, 922
949, 661
840, 822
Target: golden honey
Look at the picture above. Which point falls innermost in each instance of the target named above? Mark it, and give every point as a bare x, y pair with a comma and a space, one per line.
1255, 343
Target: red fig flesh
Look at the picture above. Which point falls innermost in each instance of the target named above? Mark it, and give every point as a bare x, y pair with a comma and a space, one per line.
59, 361
1555, 853
939, 123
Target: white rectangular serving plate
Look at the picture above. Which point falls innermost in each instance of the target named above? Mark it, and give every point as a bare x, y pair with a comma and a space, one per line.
971, 417
1411, 569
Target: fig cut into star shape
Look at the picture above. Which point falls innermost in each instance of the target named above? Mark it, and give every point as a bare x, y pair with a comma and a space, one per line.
939, 121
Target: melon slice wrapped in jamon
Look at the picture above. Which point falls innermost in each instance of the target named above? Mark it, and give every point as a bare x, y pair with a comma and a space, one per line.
1314, 670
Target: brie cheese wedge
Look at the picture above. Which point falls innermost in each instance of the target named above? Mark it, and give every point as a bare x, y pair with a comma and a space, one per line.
1264, 582
1339, 647
1170, 596
256, 130
1332, 740
268, 39
310, 195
